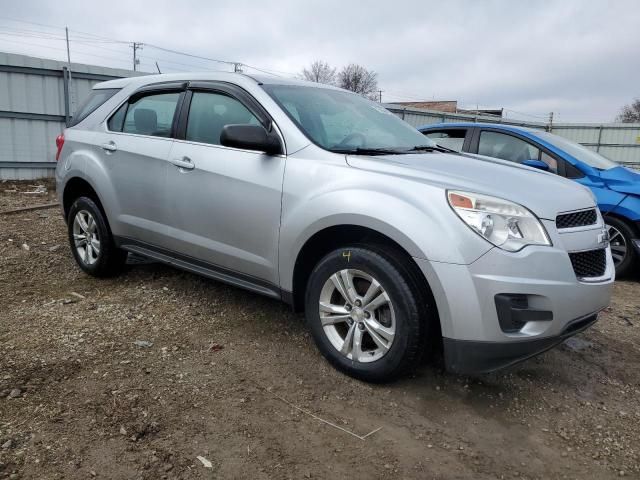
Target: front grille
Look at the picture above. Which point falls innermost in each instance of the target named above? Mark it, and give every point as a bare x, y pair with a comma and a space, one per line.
577, 219
592, 263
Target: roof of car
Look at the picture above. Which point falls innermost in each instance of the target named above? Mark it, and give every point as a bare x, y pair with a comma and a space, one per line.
497, 126
238, 78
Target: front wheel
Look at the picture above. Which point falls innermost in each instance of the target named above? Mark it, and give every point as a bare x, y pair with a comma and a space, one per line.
622, 250
365, 313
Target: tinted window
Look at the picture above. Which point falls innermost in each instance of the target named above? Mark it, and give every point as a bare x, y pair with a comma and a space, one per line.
507, 147
210, 112
453, 139
116, 121
151, 115
92, 102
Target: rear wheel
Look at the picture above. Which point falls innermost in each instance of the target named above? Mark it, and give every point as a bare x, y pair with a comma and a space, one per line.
365, 313
623, 252
91, 240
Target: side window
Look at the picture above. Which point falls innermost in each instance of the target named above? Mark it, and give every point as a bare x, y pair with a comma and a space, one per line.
210, 112
453, 139
507, 147
116, 121
95, 99
572, 172
549, 160
151, 115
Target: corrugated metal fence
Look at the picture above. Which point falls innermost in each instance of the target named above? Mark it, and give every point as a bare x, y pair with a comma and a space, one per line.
37, 98
617, 141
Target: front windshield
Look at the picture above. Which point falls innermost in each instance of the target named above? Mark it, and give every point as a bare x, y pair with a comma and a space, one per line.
342, 121
577, 151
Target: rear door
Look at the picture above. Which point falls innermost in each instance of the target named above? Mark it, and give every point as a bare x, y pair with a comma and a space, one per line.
223, 204
135, 147
455, 138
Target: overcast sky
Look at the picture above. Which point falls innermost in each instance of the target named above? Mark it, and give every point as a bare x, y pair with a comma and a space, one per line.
579, 59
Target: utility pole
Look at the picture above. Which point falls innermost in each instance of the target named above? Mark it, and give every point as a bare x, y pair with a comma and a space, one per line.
380, 95
66, 32
136, 61
69, 92
550, 122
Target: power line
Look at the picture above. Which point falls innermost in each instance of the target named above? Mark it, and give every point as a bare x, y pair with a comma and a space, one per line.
172, 62
33, 44
30, 23
57, 27
93, 38
263, 71
175, 52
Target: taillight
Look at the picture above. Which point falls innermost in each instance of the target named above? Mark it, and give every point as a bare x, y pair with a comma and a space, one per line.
59, 144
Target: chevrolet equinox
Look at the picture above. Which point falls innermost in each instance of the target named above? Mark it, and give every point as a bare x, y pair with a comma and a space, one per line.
393, 247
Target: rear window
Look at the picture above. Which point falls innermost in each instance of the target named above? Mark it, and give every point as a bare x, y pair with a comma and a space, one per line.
92, 102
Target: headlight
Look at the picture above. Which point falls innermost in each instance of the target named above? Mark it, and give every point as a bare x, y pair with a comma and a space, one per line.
505, 224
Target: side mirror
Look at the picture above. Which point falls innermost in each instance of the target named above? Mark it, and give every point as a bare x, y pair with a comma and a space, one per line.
251, 137
539, 164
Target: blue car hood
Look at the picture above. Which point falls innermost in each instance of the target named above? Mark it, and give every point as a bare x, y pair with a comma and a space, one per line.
622, 179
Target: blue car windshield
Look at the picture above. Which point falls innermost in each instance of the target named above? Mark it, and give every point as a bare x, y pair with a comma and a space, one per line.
345, 122
577, 151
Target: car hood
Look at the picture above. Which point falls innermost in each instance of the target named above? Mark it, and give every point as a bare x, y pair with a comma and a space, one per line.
543, 193
622, 179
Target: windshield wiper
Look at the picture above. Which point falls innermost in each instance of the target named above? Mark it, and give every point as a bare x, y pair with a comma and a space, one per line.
432, 148
370, 151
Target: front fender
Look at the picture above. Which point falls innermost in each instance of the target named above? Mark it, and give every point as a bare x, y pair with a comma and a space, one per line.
629, 208
433, 233
607, 199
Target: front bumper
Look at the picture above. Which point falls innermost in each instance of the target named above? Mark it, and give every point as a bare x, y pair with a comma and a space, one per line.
469, 357
555, 304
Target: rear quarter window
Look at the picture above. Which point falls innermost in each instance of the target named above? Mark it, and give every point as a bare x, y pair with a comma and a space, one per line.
95, 99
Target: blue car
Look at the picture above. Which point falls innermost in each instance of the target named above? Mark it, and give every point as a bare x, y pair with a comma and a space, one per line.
616, 188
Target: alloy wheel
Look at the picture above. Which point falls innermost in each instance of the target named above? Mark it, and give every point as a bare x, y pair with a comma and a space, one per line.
618, 245
357, 315
86, 238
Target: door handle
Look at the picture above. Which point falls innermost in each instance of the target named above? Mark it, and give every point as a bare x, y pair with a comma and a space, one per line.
109, 147
184, 162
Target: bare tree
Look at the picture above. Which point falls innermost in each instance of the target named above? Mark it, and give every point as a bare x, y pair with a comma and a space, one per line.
320, 72
630, 113
358, 79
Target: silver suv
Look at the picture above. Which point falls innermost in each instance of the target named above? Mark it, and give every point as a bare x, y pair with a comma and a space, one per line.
391, 245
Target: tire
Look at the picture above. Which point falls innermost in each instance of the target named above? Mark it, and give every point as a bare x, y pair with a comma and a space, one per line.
100, 257
402, 314
621, 234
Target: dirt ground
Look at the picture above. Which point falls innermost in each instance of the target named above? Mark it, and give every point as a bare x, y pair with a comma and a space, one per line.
138, 376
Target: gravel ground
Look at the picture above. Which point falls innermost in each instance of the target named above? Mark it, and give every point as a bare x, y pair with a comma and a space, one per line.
138, 376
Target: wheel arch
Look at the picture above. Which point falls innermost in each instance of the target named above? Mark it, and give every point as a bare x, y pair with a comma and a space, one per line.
75, 188
333, 237
630, 223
